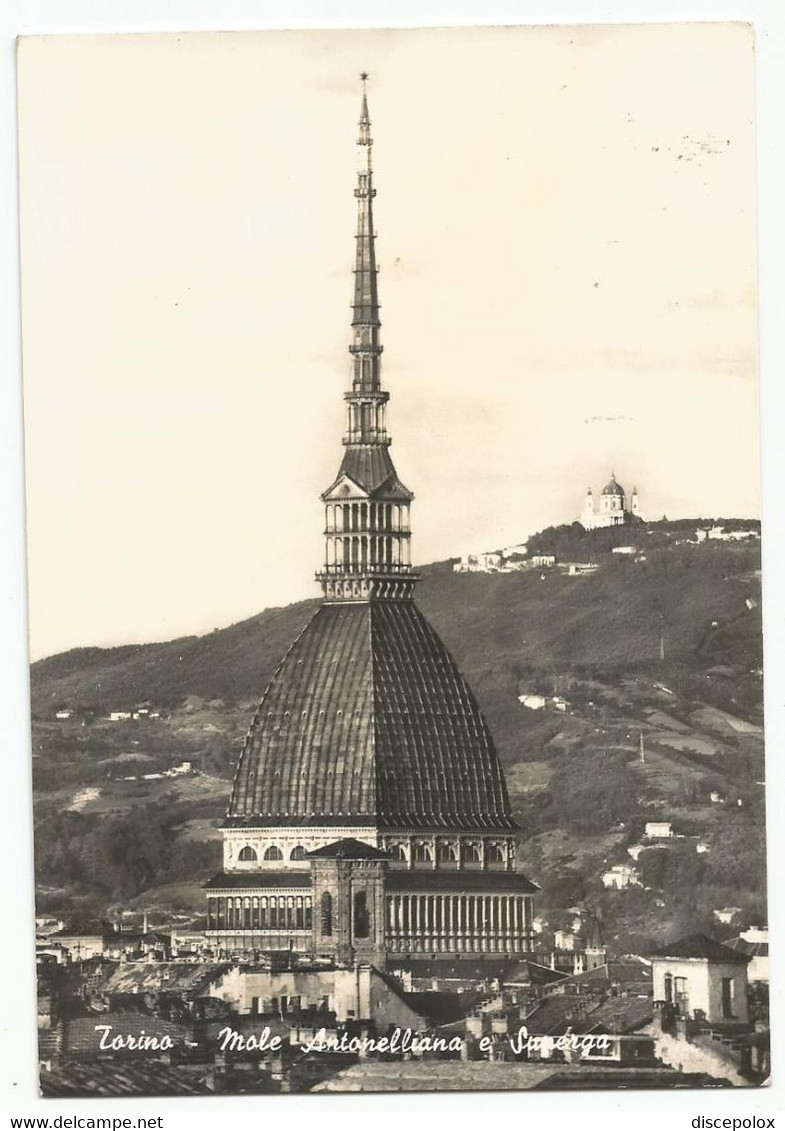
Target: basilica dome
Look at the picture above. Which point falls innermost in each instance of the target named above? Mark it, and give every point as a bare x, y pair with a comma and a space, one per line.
613, 488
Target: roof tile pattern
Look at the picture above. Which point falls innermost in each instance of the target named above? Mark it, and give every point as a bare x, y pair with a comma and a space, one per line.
460, 883
368, 720
258, 880
699, 945
120, 1077
370, 466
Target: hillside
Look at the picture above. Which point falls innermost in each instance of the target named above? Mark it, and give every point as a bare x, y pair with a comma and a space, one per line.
601, 623
579, 790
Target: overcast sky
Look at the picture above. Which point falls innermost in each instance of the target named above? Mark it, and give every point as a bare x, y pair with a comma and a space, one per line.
566, 222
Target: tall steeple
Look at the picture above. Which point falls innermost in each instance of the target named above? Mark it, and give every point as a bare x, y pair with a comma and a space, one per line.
367, 534
365, 346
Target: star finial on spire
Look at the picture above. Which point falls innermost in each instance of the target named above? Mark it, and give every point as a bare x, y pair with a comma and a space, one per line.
364, 76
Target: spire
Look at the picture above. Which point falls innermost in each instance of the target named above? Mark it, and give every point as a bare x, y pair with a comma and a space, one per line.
365, 317
367, 507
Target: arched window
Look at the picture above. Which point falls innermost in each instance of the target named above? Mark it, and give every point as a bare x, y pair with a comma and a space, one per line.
273, 853
398, 852
494, 854
422, 854
447, 854
247, 854
327, 913
361, 916
297, 853
470, 853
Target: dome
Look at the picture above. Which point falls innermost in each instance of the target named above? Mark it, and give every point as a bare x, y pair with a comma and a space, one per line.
613, 488
368, 721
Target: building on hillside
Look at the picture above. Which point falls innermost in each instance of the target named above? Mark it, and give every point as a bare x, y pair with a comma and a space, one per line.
621, 876
479, 563
726, 915
658, 830
512, 559
578, 569
577, 951
700, 979
533, 702
520, 550
720, 534
754, 943
613, 508
369, 818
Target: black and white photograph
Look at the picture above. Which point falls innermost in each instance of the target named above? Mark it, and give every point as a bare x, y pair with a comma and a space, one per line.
393, 512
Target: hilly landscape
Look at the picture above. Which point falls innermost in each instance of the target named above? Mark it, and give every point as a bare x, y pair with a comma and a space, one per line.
617, 697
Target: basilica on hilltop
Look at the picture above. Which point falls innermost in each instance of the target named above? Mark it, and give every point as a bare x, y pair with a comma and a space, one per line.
369, 819
613, 507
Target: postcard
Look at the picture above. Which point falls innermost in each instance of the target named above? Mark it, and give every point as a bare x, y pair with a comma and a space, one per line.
394, 546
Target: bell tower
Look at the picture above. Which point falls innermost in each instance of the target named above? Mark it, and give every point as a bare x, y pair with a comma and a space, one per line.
348, 895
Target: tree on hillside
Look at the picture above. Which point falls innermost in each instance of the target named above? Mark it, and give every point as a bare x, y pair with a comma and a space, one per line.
593, 791
676, 869
572, 542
